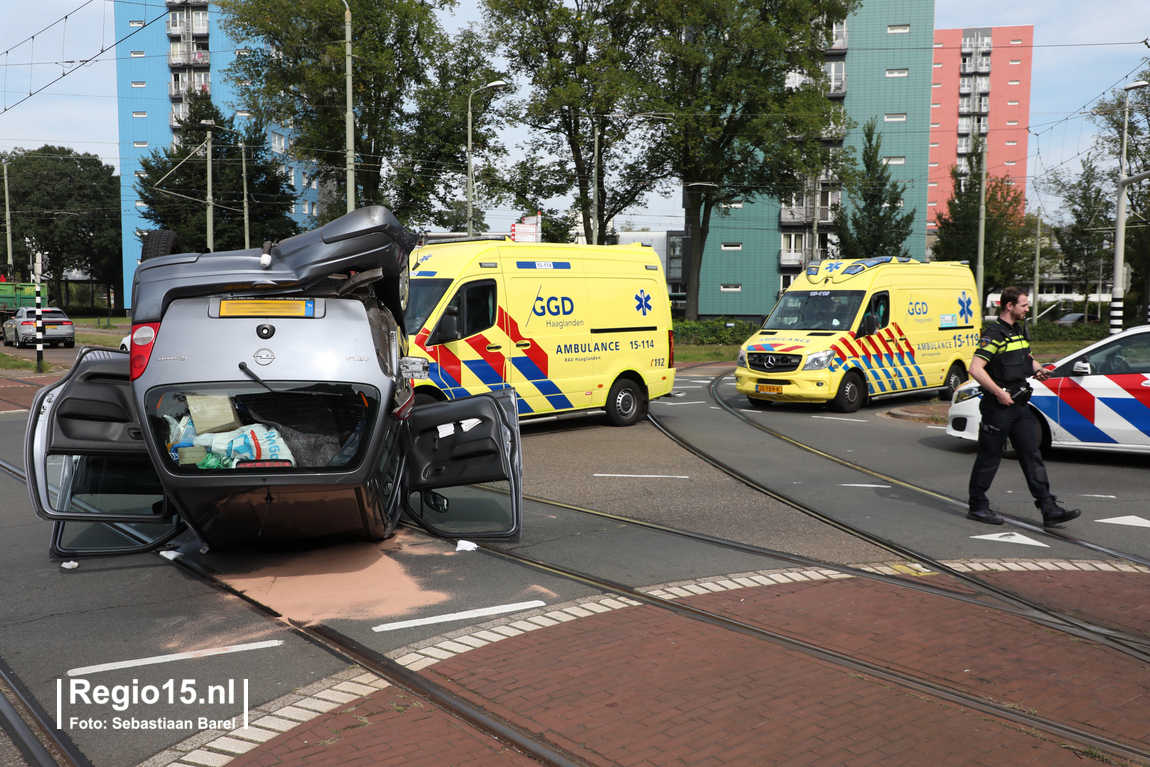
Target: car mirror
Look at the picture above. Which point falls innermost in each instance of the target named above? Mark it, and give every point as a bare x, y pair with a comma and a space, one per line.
448, 328
869, 324
1081, 368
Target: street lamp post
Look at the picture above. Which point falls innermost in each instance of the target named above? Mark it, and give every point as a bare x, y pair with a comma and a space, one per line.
1117, 292
470, 172
349, 116
210, 200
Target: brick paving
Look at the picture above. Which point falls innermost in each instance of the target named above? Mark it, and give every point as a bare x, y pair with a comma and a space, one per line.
18, 388
640, 686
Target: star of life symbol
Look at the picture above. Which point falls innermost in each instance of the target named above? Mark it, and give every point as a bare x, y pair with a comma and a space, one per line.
964, 307
834, 266
643, 299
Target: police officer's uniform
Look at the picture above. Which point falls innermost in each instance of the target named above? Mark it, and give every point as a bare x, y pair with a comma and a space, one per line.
1006, 351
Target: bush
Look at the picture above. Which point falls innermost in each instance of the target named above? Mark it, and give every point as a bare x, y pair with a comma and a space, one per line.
1048, 331
705, 332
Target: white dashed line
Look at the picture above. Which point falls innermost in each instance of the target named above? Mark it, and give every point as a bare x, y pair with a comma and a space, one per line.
156, 659
848, 485
833, 418
466, 614
645, 476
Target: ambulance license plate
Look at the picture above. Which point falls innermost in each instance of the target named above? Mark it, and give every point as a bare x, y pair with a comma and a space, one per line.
765, 389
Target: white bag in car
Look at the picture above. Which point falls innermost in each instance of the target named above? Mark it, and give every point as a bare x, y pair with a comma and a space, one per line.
247, 443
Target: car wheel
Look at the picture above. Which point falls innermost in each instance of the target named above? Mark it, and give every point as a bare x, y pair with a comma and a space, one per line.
850, 395
624, 402
424, 399
160, 242
70, 344
955, 377
394, 293
6, 342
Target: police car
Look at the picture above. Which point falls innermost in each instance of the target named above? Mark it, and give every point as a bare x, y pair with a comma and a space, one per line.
1097, 398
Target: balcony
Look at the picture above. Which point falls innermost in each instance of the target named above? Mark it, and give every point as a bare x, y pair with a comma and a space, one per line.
174, 119
839, 40
176, 28
792, 257
838, 86
189, 58
178, 90
795, 214
964, 86
976, 45
185, 3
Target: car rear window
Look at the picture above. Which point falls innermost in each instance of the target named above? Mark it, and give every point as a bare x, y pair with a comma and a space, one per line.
242, 425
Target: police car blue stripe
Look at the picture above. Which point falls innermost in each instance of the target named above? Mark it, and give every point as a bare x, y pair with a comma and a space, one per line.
1081, 429
1133, 411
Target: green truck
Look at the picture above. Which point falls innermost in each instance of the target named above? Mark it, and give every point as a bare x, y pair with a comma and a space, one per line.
13, 295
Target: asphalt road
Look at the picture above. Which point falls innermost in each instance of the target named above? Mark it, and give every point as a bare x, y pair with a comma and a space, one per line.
55, 620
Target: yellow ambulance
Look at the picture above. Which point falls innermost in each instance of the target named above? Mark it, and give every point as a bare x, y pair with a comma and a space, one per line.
848, 331
574, 329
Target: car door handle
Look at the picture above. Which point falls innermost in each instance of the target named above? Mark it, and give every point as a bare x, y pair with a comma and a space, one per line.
523, 345
493, 347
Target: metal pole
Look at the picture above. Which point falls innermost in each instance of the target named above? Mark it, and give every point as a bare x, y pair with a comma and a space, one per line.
1037, 251
8, 227
595, 186
1117, 291
39, 316
470, 177
211, 201
980, 273
247, 221
349, 116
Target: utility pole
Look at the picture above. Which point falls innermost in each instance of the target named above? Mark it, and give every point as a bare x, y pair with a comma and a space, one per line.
211, 202
349, 115
980, 273
8, 227
1037, 252
39, 315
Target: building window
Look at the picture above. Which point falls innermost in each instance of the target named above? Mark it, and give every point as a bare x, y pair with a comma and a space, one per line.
931, 204
935, 106
895, 117
140, 174
934, 165
243, 113
1016, 61
1012, 103
1011, 162
897, 73
936, 85
935, 125
1012, 143
138, 23
934, 143
1013, 82
137, 54
894, 161
731, 288
242, 51
932, 183
732, 246
140, 144
138, 83
1016, 42
898, 29
279, 143
938, 45
1012, 122
785, 280
139, 114
733, 205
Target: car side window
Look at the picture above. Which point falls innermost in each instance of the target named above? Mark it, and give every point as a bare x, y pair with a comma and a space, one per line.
476, 303
879, 308
1129, 355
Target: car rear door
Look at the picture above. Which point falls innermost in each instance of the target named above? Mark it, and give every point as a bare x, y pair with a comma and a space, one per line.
464, 467
88, 468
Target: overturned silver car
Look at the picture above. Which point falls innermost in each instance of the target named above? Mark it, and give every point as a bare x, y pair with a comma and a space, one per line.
265, 398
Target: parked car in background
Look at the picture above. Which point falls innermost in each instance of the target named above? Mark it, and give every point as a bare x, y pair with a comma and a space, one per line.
1097, 398
1077, 318
20, 330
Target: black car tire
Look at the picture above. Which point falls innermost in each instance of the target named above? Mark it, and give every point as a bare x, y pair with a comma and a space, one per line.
70, 344
624, 402
850, 395
394, 292
6, 341
955, 377
160, 242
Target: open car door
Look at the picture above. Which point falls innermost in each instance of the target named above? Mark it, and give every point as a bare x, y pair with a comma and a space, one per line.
88, 468
464, 466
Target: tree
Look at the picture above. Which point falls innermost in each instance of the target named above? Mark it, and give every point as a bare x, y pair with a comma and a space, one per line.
410, 91
588, 65
744, 80
1087, 242
175, 184
66, 206
1007, 253
875, 225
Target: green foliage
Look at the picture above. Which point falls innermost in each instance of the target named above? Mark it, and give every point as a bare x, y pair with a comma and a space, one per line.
722, 69
1008, 255
1048, 331
66, 206
410, 95
1087, 247
875, 225
175, 182
702, 332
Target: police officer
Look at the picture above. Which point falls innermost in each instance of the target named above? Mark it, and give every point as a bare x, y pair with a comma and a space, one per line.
1001, 366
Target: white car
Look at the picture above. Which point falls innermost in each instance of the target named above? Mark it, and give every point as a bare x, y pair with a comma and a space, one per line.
1097, 398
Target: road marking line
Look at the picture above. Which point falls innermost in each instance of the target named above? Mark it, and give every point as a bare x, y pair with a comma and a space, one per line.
645, 476
1132, 521
672, 404
937, 427
480, 613
1010, 538
1097, 496
833, 418
85, 670
845, 485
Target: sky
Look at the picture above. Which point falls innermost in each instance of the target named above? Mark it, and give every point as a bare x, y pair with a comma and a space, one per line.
1082, 51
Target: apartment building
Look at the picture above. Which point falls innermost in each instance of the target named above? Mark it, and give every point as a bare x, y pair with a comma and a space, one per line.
980, 87
168, 48
879, 66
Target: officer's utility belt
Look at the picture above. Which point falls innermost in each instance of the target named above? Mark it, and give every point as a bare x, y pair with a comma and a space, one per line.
1019, 392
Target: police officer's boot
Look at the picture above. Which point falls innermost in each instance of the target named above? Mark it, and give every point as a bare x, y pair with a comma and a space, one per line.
1053, 514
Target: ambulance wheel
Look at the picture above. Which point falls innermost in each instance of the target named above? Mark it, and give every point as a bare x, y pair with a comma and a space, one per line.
394, 293
624, 402
955, 377
850, 396
160, 242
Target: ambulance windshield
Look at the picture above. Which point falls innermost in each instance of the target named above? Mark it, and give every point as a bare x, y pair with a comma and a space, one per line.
425, 296
816, 310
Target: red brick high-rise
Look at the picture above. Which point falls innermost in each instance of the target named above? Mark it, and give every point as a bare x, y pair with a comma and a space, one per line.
981, 86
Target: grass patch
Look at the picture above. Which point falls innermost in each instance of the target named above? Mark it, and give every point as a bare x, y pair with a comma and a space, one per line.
8, 362
117, 323
91, 339
706, 353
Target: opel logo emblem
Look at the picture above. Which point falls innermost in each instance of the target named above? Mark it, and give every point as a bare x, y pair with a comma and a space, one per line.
264, 357
769, 362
